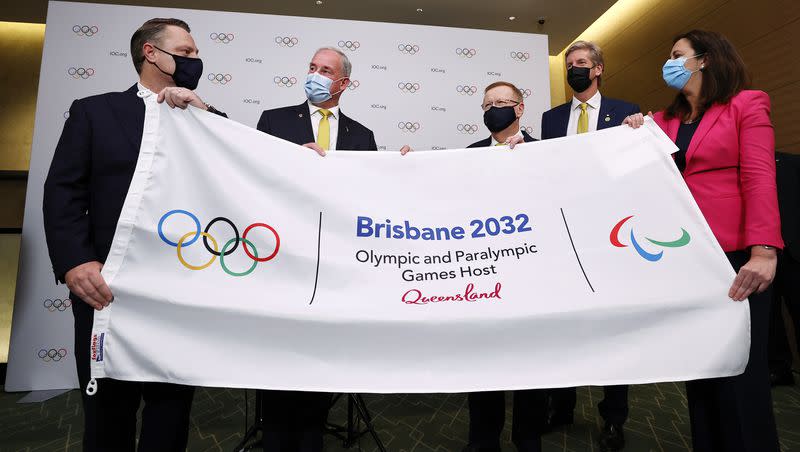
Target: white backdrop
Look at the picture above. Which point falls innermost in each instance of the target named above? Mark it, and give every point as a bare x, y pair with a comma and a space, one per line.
429, 79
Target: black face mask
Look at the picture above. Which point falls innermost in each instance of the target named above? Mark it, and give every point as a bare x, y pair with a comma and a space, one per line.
498, 118
578, 78
187, 70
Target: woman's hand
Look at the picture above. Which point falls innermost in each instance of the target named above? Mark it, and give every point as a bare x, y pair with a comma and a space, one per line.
756, 275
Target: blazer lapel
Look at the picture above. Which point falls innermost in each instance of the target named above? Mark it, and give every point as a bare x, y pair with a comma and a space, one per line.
128, 110
564, 120
706, 124
343, 139
605, 117
304, 126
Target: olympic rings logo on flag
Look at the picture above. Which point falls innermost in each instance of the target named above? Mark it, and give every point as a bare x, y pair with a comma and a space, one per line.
228, 248
57, 304
52, 354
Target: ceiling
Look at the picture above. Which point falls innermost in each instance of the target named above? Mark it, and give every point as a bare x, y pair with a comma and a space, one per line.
564, 19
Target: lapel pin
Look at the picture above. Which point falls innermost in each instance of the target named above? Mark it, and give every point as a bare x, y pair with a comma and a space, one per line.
608, 118
300, 115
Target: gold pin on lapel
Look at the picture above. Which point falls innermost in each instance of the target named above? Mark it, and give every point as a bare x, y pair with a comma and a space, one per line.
299, 115
608, 118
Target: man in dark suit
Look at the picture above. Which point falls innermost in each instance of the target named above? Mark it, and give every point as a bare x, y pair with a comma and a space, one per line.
587, 112
319, 123
787, 278
503, 107
84, 192
295, 420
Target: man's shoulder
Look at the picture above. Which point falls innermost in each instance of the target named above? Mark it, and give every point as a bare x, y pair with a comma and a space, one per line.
105, 98
283, 111
618, 103
561, 109
481, 144
353, 124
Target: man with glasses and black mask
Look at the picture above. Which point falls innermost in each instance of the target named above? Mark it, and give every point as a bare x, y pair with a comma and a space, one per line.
84, 192
503, 107
587, 112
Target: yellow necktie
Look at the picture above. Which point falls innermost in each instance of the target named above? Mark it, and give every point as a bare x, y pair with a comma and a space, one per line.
500, 144
583, 120
324, 133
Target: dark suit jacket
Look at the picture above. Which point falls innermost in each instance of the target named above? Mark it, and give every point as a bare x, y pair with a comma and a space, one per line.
788, 174
488, 141
89, 177
555, 121
294, 124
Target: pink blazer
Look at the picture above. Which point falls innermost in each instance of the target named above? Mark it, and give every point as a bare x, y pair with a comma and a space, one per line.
730, 170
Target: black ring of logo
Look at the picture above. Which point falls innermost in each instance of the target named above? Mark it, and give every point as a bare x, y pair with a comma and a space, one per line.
235, 231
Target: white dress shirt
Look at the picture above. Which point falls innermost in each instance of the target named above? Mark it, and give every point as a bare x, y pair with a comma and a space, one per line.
518, 134
593, 109
333, 120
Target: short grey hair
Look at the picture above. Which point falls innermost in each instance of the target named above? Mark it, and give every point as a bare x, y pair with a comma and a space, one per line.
347, 68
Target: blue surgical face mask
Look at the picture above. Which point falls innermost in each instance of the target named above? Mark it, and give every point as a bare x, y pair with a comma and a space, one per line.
675, 73
318, 87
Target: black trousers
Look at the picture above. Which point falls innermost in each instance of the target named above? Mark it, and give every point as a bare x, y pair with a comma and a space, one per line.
110, 414
786, 290
734, 414
613, 408
487, 415
294, 421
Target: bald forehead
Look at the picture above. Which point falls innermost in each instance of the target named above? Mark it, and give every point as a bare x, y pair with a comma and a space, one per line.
499, 93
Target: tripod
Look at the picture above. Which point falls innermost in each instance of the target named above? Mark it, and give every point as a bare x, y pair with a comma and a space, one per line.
349, 434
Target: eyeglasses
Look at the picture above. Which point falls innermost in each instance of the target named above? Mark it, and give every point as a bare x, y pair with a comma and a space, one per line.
500, 103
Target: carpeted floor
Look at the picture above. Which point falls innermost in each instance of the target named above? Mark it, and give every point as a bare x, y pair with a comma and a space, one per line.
405, 423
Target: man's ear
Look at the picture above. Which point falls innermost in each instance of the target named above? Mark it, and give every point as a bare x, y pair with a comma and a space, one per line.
520, 109
149, 52
598, 70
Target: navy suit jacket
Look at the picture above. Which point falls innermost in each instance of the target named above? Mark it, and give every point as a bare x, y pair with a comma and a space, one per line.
554, 121
488, 141
294, 124
89, 177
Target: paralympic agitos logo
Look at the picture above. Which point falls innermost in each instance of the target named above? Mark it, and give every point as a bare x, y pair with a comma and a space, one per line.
683, 240
189, 238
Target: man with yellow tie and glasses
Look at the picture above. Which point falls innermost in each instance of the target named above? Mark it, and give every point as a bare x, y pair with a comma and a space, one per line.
587, 112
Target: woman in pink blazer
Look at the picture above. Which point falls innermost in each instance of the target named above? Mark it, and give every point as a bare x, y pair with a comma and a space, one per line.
727, 158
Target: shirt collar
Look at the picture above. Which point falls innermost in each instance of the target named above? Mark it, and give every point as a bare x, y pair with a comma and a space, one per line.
593, 101
143, 90
313, 109
518, 134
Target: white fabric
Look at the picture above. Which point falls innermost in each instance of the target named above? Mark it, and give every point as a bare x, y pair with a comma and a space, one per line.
592, 108
333, 120
337, 324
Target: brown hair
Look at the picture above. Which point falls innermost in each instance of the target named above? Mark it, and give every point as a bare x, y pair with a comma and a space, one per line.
724, 73
595, 54
151, 31
517, 92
